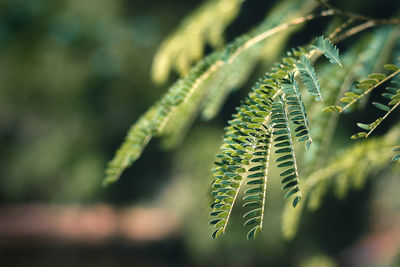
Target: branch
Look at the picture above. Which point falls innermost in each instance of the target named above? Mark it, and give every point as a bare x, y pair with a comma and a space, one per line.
384, 117
276, 30
358, 16
369, 90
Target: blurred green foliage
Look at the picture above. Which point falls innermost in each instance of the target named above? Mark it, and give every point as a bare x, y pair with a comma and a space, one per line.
75, 74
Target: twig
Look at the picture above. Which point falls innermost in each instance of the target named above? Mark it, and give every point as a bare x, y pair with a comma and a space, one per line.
358, 16
369, 90
277, 29
384, 117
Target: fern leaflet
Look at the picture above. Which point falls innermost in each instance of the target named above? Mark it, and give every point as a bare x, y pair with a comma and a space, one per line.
309, 77
328, 49
296, 110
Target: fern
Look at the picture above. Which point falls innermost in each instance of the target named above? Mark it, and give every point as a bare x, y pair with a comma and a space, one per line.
366, 86
274, 117
297, 111
329, 50
285, 150
309, 77
272, 103
205, 25
353, 165
393, 94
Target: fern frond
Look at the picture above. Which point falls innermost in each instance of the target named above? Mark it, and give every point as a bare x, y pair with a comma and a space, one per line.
329, 50
255, 196
296, 110
393, 95
358, 62
242, 54
205, 25
285, 152
365, 86
153, 122
244, 135
137, 138
353, 165
309, 78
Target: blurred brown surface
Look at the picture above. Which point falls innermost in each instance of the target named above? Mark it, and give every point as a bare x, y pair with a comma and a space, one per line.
33, 223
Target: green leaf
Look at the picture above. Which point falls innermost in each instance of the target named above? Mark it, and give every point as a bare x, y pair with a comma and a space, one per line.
254, 190
369, 81
296, 201
287, 172
252, 213
395, 158
292, 192
309, 78
217, 233
252, 197
391, 67
332, 109
351, 94
358, 135
363, 126
285, 164
252, 234
346, 99
328, 49
212, 222
252, 221
381, 106
378, 76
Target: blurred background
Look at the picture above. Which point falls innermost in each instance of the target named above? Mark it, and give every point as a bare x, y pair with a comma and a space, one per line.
74, 75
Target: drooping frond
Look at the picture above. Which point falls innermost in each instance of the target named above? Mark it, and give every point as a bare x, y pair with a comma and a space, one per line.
328, 49
137, 138
244, 137
274, 114
176, 110
357, 63
352, 167
296, 110
241, 59
154, 122
309, 77
284, 149
255, 196
272, 104
205, 25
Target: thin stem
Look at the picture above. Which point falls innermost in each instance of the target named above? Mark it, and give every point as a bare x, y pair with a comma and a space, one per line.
277, 29
340, 28
358, 16
355, 30
265, 180
384, 117
194, 87
369, 90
